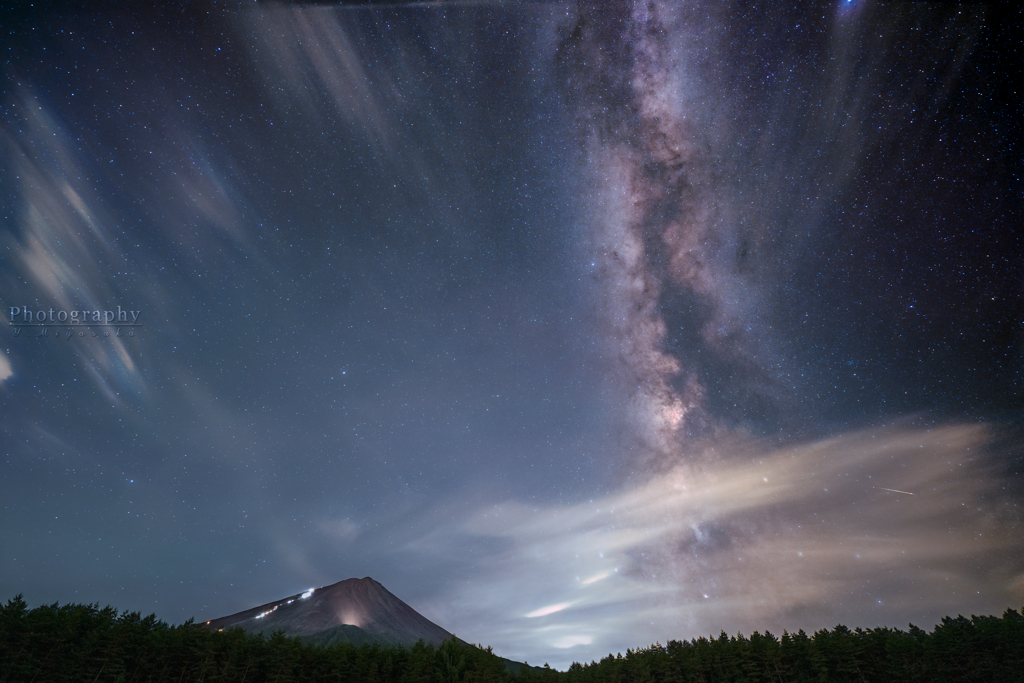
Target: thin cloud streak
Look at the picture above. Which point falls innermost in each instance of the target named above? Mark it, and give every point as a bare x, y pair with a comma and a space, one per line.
65, 255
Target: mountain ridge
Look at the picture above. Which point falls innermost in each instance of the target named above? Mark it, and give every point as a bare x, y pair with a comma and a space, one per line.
361, 604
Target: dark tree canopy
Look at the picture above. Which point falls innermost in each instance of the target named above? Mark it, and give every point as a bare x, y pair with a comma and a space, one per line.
86, 643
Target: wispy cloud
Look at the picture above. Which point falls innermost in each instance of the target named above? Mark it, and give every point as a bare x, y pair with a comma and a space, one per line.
5, 368
66, 255
550, 609
753, 537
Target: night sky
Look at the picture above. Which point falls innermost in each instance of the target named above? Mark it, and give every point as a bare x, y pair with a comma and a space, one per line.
577, 326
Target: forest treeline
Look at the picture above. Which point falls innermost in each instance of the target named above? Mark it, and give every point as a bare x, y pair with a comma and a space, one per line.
77, 642
979, 649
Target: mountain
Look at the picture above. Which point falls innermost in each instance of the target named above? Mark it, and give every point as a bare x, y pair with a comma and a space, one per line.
355, 610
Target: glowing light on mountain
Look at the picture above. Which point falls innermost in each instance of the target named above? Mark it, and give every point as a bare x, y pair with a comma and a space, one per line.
263, 614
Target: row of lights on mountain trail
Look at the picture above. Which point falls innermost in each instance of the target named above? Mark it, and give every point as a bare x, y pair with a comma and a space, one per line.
301, 597
260, 616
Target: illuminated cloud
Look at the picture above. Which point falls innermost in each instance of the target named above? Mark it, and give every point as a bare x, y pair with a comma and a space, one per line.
550, 609
66, 253
595, 578
755, 537
5, 368
566, 642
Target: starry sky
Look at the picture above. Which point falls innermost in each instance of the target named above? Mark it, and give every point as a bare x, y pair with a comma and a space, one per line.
579, 326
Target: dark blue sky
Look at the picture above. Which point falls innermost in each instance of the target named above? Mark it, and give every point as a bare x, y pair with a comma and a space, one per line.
571, 325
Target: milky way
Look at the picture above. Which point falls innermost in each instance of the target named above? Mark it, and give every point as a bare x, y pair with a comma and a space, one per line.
577, 326
716, 163
655, 238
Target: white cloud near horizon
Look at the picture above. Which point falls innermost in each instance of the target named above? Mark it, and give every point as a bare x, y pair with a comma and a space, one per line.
752, 538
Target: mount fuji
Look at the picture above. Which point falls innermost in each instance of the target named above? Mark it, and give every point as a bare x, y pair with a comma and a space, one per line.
355, 610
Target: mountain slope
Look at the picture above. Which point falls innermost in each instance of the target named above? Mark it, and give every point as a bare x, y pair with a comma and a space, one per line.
362, 603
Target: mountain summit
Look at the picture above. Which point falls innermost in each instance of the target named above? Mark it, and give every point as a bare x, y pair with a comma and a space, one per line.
354, 610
